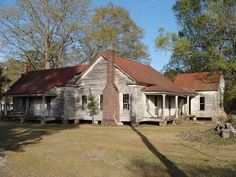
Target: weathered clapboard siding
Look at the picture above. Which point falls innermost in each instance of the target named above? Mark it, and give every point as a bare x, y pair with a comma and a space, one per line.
96, 81
69, 99
36, 106
57, 104
18, 105
211, 104
140, 103
121, 81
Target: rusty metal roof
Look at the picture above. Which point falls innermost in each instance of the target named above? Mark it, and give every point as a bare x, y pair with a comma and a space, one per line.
145, 74
38, 82
204, 81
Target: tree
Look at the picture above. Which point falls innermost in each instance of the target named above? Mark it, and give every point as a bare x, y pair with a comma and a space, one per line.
13, 71
206, 40
44, 29
112, 28
92, 105
4, 81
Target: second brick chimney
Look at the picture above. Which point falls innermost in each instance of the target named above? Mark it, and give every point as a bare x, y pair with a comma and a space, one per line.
110, 93
26, 68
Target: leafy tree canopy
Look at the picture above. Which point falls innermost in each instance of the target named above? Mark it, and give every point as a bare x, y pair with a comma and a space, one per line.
64, 33
206, 40
13, 70
112, 27
4, 81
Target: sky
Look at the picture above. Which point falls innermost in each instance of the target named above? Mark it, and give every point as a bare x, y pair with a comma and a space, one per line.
150, 15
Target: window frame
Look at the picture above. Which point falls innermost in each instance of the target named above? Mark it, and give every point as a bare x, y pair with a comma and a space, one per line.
101, 102
126, 102
84, 102
202, 103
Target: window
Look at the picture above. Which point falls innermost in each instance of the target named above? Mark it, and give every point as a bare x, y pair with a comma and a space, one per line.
202, 103
84, 102
101, 102
125, 101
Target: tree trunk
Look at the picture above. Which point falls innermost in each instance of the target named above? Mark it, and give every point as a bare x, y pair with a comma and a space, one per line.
93, 119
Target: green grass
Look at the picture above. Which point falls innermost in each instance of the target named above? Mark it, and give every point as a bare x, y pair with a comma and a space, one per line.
94, 151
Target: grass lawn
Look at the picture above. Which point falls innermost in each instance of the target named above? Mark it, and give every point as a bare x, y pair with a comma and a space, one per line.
91, 151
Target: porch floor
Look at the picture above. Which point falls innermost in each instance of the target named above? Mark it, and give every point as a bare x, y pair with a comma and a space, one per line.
156, 119
32, 117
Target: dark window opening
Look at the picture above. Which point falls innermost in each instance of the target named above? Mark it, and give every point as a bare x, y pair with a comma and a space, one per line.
48, 102
84, 102
101, 102
202, 103
155, 101
125, 101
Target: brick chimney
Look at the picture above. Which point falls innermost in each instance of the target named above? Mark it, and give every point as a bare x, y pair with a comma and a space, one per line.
26, 68
110, 93
47, 64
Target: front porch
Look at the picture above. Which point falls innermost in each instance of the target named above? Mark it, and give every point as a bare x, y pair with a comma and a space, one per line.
164, 107
32, 108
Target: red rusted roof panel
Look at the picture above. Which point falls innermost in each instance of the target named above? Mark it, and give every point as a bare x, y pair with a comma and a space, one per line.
204, 81
37, 82
145, 74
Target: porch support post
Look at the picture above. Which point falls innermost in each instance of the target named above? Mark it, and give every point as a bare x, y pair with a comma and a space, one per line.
164, 105
176, 107
27, 106
187, 111
43, 107
5, 106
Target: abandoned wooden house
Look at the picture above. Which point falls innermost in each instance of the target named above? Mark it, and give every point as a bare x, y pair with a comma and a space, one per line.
125, 91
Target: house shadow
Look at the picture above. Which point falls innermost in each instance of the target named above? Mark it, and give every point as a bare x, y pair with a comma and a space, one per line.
171, 167
14, 136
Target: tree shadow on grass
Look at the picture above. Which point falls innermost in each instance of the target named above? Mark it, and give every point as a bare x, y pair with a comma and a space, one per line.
149, 169
14, 136
172, 168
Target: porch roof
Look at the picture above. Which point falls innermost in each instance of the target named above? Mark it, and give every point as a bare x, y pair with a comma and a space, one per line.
167, 88
39, 82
